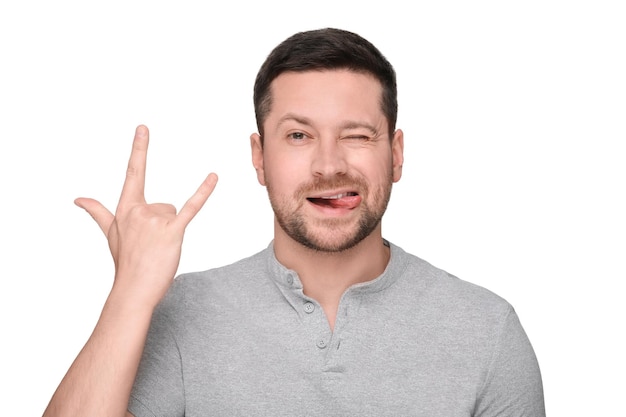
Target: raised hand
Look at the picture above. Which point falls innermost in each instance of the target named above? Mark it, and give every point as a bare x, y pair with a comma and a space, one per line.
145, 239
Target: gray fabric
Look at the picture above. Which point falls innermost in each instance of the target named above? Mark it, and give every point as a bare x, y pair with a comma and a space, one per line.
243, 340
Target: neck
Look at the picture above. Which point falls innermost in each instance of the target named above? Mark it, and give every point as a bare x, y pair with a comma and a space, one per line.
325, 276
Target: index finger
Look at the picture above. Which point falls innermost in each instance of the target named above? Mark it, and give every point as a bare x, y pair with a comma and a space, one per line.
134, 184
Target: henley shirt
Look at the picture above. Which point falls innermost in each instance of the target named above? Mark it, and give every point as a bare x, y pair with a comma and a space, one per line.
244, 340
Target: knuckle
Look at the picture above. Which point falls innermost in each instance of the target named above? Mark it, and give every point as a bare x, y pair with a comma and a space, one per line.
131, 171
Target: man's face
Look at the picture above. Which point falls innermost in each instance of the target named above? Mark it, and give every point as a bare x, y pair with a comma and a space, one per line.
327, 159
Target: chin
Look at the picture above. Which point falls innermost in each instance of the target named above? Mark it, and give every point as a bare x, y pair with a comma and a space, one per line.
329, 239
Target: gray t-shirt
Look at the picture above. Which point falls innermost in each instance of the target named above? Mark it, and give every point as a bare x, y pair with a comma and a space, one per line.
243, 340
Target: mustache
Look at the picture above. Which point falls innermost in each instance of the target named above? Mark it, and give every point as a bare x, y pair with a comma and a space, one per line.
320, 184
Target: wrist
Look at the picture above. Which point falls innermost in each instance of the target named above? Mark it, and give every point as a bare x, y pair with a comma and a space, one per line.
131, 301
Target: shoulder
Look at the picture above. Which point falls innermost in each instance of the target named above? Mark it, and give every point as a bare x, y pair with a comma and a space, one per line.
441, 292
241, 270
230, 284
462, 316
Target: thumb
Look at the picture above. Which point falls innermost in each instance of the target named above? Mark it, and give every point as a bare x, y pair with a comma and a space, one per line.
97, 211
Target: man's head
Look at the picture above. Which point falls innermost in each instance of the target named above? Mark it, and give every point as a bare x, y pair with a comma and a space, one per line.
326, 49
327, 148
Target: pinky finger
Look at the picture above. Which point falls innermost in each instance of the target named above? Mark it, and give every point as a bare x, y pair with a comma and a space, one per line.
197, 200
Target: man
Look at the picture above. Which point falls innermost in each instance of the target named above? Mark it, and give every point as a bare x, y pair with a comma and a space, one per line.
329, 319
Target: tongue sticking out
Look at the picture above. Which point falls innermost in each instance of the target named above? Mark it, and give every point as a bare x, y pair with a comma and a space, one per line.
345, 202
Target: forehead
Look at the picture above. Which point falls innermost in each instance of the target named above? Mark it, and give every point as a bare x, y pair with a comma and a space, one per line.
325, 95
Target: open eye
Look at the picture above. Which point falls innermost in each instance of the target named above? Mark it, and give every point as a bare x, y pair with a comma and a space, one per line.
297, 136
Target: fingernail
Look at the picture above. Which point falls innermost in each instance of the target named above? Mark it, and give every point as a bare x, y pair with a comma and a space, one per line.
141, 130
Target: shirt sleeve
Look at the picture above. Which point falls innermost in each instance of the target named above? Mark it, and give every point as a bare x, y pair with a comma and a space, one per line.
158, 388
513, 385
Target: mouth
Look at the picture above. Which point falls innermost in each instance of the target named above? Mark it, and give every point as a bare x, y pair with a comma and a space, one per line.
346, 200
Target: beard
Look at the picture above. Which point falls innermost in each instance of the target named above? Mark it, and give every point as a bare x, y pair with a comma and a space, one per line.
330, 235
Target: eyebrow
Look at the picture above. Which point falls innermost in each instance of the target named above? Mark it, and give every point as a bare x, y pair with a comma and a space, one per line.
347, 125
358, 125
294, 117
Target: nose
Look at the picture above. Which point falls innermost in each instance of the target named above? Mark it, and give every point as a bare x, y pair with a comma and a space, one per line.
329, 159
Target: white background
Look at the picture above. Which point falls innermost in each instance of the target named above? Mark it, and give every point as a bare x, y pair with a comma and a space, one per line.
514, 121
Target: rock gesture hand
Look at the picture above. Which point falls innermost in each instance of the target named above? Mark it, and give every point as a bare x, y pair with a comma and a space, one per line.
145, 239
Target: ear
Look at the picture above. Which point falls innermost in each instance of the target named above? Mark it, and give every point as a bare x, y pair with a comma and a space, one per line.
257, 157
397, 154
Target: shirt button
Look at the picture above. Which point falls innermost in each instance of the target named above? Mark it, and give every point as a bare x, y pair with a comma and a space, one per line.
309, 307
321, 343
290, 279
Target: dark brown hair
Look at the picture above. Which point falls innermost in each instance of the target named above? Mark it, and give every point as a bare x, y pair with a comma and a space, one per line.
326, 49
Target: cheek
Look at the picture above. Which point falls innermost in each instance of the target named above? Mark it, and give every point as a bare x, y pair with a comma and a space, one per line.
375, 169
283, 173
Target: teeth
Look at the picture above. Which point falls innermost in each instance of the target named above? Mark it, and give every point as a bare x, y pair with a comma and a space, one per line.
334, 197
338, 196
